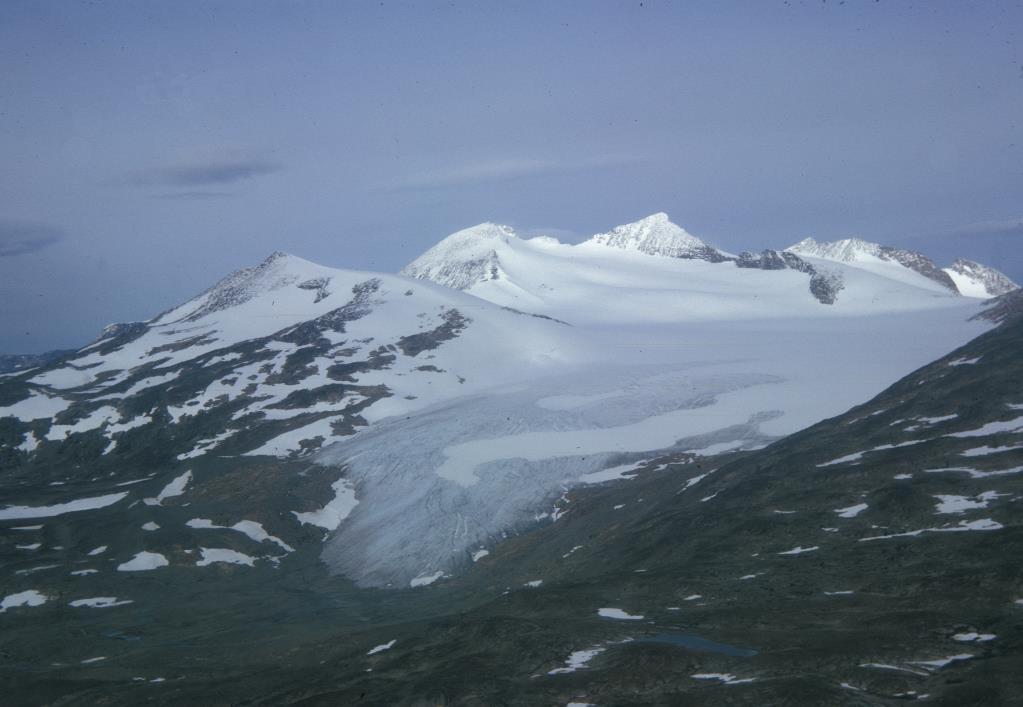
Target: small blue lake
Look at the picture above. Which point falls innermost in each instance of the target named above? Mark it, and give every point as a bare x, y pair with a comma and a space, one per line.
697, 643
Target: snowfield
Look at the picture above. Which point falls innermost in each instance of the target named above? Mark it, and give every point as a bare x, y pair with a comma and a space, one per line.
462, 400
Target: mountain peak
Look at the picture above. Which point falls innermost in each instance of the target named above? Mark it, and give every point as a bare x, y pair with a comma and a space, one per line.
845, 250
277, 270
657, 235
464, 258
850, 250
976, 280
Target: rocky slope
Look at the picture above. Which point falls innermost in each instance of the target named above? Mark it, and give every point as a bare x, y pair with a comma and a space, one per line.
441, 421
869, 559
962, 277
976, 280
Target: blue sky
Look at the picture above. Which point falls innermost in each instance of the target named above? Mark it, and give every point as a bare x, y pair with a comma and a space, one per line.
150, 148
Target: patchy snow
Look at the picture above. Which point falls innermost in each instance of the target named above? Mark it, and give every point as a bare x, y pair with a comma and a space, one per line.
726, 678
534, 584
856, 456
851, 511
143, 562
99, 602
654, 358
36, 406
692, 597
29, 597
992, 428
799, 550
612, 613
981, 524
29, 443
973, 636
964, 361
939, 663
33, 570
976, 473
83, 573
577, 660
150, 526
897, 668
97, 659
573, 550
425, 579
481, 553
212, 555
985, 450
97, 551
614, 473
840, 592
961, 504
33, 546
80, 504
93, 420
382, 647
340, 507
175, 488
205, 445
249, 528
257, 532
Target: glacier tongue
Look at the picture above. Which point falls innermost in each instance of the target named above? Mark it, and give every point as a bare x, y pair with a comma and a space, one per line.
434, 487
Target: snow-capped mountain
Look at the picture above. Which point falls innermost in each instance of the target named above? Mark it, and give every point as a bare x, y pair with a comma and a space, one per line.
976, 280
657, 235
463, 259
963, 277
465, 410
654, 269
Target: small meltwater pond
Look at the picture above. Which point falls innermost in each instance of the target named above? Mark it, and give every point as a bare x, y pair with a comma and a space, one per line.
693, 642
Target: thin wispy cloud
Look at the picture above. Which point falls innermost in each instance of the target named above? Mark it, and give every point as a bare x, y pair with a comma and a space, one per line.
1005, 227
208, 173
18, 238
500, 170
194, 195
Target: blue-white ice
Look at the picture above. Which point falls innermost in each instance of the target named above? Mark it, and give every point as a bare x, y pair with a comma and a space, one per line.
438, 485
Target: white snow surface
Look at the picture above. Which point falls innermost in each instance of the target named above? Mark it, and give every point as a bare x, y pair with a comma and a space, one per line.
612, 613
29, 597
80, 504
577, 660
960, 504
726, 678
382, 647
650, 353
653, 235
143, 562
99, 602
851, 511
35, 406
340, 507
212, 555
175, 488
